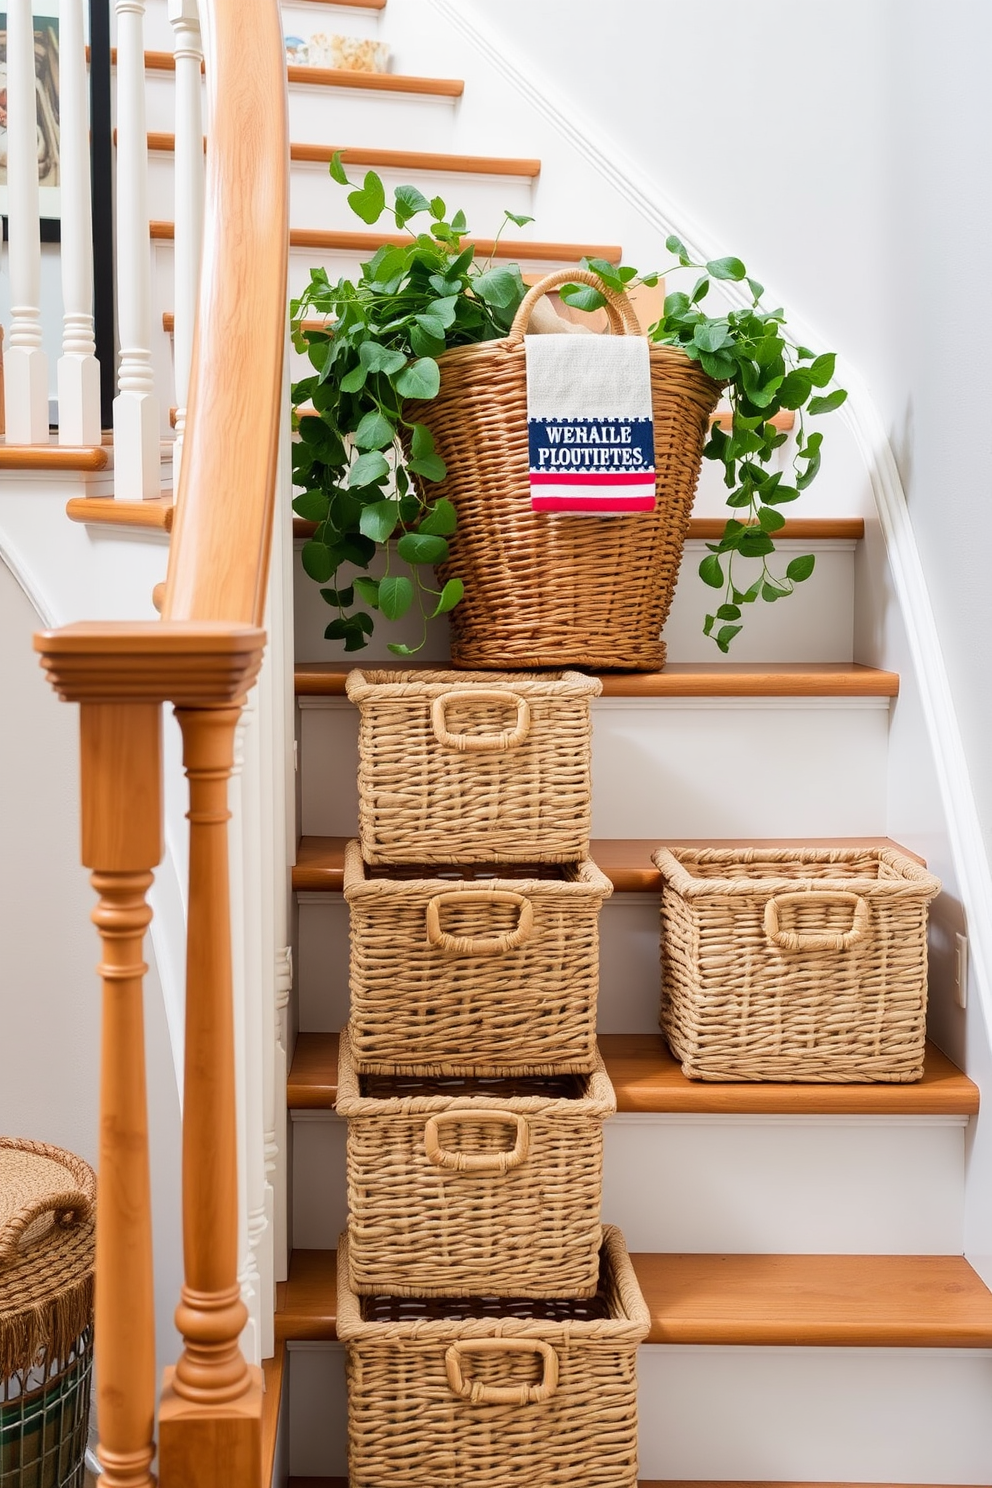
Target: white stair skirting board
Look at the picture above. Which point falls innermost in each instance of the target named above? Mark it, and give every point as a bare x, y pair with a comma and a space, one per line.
668, 767
843, 1185
749, 1414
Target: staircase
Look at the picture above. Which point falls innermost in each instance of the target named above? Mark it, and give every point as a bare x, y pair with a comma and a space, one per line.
801, 1248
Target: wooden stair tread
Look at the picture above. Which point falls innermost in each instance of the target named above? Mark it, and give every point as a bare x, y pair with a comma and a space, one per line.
808, 1301
414, 160
626, 861
679, 679
108, 512
273, 1374
648, 1080
81, 457
362, 242
334, 77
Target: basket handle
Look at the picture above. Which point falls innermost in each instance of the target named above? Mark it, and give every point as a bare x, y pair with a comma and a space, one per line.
481, 743
620, 312
67, 1208
816, 940
478, 1162
479, 945
482, 1394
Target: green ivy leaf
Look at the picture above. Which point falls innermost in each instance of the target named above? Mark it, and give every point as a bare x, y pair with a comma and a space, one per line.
421, 442
368, 470
795, 389
374, 432
459, 223
421, 379
726, 268
712, 335
710, 571
756, 289
312, 505
409, 201
497, 287
582, 296
755, 544
432, 325
354, 381
801, 568
378, 521
728, 612
368, 589
317, 561
369, 201
438, 209
337, 170
520, 221
441, 520
395, 597
725, 635
431, 467
443, 309
377, 358
770, 520
676, 246
414, 547
452, 592
343, 597
823, 369
423, 345
829, 403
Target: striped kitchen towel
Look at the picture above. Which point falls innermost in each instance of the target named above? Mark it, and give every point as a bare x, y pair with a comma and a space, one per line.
590, 425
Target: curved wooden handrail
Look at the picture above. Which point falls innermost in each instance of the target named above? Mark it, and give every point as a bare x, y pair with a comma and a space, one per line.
219, 558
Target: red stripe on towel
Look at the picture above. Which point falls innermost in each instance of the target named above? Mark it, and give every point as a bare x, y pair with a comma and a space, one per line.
587, 478
604, 505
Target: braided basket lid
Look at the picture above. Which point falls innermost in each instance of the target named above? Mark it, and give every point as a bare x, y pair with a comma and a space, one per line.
47, 1226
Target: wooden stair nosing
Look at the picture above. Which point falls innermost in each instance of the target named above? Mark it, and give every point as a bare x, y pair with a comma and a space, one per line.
348, 4
273, 1374
87, 458
333, 77
626, 861
648, 1080
773, 1301
682, 680
416, 160
107, 511
362, 242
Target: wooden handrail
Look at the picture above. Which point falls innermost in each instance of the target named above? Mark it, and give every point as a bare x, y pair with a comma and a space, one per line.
202, 657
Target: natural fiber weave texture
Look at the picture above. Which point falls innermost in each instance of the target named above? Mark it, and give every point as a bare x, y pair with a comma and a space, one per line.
47, 1228
454, 1195
544, 590
491, 977
461, 768
496, 1402
806, 964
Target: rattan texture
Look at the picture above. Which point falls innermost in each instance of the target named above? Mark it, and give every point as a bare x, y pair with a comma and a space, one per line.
421, 1412
465, 1194
452, 977
465, 768
795, 964
47, 1229
554, 590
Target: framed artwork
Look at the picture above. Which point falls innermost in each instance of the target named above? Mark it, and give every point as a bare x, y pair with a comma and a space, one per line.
46, 64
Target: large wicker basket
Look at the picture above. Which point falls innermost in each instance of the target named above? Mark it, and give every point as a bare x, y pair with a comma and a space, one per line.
494, 1393
550, 591
464, 972
805, 964
461, 1188
456, 768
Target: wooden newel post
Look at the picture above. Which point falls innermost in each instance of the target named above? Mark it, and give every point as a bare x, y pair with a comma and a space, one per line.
122, 842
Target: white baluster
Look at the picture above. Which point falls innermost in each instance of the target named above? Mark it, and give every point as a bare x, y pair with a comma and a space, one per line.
26, 381
137, 467
185, 20
78, 369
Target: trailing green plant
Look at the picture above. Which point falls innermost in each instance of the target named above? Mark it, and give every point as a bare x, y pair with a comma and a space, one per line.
379, 349
366, 469
764, 373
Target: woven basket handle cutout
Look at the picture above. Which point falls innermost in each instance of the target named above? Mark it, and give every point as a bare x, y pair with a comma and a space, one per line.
479, 1393
67, 1208
478, 1162
623, 321
479, 945
481, 743
816, 940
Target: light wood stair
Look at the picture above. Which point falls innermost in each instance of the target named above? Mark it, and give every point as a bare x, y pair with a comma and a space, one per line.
369, 242
414, 160
336, 77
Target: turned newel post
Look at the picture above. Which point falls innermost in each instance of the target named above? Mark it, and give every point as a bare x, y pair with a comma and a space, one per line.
211, 1314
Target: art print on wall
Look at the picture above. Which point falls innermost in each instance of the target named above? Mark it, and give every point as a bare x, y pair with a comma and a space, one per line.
46, 63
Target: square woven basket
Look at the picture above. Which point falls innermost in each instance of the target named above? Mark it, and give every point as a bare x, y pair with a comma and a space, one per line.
804, 964
473, 767
466, 1190
495, 1393
465, 972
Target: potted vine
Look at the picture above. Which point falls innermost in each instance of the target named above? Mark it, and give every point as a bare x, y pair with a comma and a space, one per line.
375, 418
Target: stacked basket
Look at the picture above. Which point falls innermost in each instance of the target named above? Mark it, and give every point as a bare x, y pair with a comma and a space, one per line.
491, 1322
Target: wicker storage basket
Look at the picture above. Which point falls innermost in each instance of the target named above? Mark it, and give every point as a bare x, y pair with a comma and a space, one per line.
464, 972
456, 1190
495, 1392
549, 591
805, 964
456, 768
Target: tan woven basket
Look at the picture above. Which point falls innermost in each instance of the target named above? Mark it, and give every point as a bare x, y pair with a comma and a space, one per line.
470, 973
495, 1393
458, 1193
551, 591
456, 768
805, 964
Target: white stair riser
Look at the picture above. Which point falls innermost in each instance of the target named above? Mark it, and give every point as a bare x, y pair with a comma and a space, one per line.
749, 1414
629, 963
804, 1186
815, 624
673, 767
